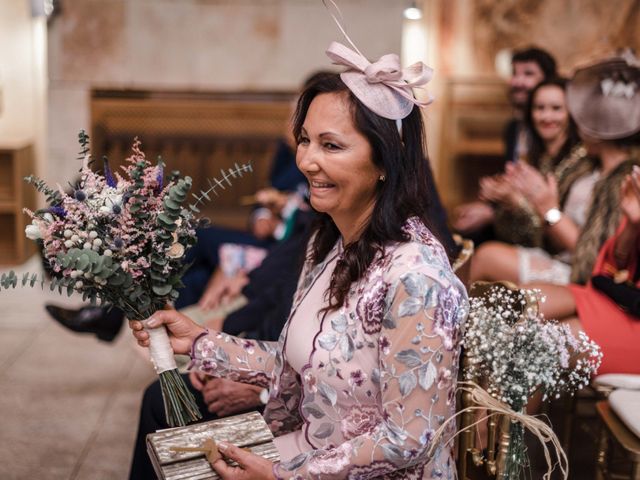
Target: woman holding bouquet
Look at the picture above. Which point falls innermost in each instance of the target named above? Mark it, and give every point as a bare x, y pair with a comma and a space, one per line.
364, 372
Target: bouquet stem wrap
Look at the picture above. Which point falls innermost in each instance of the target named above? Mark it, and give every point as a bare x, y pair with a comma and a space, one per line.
179, 404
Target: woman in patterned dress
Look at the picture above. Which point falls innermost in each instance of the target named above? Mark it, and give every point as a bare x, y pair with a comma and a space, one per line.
364, 372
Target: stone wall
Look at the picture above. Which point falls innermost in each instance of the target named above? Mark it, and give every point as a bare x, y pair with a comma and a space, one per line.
22, 77
194, 45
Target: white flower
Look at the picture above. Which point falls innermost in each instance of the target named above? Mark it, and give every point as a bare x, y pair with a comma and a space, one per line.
176, 250
32, 231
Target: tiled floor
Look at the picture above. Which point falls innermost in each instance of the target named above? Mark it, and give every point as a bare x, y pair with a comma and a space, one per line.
68, 403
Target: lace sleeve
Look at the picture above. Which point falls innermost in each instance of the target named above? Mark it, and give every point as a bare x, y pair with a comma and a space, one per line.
418, 351
238, 359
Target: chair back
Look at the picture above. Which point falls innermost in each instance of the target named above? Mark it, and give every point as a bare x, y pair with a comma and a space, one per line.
483, 458
462, 264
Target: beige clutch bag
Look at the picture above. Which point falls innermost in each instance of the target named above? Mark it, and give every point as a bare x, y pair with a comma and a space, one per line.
247, 430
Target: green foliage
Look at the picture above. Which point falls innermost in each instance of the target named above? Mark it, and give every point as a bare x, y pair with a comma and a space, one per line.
11, 280
52, 196
83, 139
219, 183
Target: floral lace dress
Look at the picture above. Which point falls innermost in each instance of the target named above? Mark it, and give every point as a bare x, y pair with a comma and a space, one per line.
360, 392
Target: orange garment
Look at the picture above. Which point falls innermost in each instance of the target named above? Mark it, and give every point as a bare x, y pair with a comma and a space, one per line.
617, 332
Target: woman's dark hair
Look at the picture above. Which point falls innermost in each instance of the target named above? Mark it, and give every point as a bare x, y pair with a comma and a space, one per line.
403, 194
537, 147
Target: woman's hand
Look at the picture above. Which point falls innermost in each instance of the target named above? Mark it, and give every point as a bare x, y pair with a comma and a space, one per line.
198, 379
222, 289
181, 329
541, 191
226, 397
273, 199
471, 217
497, 189
630, 198
250, 466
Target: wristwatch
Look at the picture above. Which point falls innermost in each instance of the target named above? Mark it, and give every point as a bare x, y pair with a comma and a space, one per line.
264, 396
552, 216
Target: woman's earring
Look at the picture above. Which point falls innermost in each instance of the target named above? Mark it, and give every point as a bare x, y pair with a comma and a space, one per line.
382, 178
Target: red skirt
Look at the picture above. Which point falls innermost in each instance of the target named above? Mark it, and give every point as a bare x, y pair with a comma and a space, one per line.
617, 333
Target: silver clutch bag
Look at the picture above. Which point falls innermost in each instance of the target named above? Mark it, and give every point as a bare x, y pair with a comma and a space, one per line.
247, 430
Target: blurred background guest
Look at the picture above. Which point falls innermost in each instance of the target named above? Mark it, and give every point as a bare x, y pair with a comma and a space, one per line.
529, 66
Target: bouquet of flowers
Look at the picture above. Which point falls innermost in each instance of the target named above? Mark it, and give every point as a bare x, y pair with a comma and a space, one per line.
120, 239
517, 352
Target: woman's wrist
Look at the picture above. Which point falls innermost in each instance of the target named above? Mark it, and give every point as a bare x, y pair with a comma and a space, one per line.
203, 333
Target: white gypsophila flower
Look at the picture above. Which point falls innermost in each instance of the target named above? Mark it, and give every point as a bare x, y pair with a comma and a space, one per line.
510, 344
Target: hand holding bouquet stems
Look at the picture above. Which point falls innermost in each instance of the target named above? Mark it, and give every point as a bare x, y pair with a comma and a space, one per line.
181, 329
120, 239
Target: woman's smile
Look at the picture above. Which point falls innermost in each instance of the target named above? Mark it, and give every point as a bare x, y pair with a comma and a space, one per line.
336, 159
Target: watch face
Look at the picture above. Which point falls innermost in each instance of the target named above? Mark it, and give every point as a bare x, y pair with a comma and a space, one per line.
553, 216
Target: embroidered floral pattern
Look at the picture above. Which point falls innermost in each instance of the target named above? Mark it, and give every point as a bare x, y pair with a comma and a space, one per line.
360, 420
370, 308
384, 470
379, 380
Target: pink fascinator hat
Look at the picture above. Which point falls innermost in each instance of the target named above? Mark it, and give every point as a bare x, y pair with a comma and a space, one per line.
383, 86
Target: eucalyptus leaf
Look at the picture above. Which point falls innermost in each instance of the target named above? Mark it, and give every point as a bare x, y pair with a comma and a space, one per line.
171, 204
118, 279
161, 290
83, 262
165, 219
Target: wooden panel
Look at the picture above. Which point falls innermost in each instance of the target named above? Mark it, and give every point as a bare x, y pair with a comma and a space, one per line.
16, 162
475, 114
197, 134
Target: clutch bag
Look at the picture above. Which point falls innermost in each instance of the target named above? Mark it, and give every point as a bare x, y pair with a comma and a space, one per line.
247, 430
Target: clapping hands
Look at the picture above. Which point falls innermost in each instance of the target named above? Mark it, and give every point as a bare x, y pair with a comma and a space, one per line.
541, 191
498, 189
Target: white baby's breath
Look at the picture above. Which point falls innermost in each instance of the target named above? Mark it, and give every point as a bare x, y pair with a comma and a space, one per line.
510, 344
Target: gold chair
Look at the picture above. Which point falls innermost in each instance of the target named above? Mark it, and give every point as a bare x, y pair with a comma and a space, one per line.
616, 437
462, 264
473, 463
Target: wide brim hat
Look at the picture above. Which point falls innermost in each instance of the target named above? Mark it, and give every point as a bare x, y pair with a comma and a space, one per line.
604, 98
